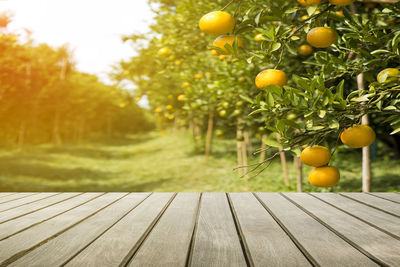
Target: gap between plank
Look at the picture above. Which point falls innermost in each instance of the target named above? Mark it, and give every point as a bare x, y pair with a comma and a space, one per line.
131, 254
192, 239
32, 211
108, 228
52, 217
31, 202
242, 239
366, 204
366, 253
364, 221
19, 198
24, 252
307, 255
371, 194
8, 194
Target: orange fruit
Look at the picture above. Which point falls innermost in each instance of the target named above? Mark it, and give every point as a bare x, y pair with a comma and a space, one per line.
222, 113
391, 75
324, 176
169, 107
304, 17
181, 98
271, 76
222, 57
321, 37
186, 84
258, 37
217, 23
178, 62
158, 110
198, 76
358, 136
315, 156
208, 73
341, 2
213, 52
163, 51
305, 50
309, 2
222, 40
340, 13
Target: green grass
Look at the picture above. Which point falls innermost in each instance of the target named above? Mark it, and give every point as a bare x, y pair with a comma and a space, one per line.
151, 162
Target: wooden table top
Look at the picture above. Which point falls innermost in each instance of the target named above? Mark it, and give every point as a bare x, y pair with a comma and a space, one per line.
199, 229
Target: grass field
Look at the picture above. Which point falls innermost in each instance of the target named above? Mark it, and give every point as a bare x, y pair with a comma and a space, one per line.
151, 162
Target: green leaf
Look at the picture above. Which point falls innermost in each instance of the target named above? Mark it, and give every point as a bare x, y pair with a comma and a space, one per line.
246, 98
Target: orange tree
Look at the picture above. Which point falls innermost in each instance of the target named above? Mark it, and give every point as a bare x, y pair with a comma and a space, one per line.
44, 98
303, 57
321, 91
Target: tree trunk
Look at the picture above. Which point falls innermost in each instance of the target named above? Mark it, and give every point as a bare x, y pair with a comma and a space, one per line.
248, 142
209, 134
56, 129
299, 168
366, 151
109, 124
263, 148
21, 135
245, 163
239, 149
283, 162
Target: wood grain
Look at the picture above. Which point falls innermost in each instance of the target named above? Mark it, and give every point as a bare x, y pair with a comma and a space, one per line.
372, 242
34, 206
15, 197
216, 240
389, 196
10, 228
376, 202
66, 245
113, 246
172, 235
381, 220
265, 239
25, 201
17, 245
319, 242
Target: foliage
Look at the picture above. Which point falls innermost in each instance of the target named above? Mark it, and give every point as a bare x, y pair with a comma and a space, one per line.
45, 99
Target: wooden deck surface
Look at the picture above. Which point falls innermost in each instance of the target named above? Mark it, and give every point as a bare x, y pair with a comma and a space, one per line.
199, 229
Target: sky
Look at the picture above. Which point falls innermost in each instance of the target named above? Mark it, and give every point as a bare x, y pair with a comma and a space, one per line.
92, 28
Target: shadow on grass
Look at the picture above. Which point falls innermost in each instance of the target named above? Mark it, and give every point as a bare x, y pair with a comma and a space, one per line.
98, 153
123, 140
13, 167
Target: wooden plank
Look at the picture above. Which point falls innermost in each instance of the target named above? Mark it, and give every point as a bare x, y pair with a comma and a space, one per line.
389, 196
4, 194
34, 206
265, 239
14, 197
385, 222
66, 245
171, 235
321, 245
110, 249
216, 241
25, 201
10, 228
17, 245
375, 202
381, 247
